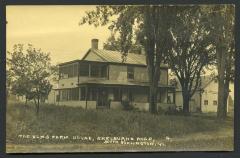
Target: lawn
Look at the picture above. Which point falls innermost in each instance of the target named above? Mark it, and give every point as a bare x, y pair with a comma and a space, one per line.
72, 129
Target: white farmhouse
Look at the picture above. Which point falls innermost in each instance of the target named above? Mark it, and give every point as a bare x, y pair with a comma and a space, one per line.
205, 98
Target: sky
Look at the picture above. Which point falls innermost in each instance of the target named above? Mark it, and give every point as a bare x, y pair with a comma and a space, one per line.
54, 29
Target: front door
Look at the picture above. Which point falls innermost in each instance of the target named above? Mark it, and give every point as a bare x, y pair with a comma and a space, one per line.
102, 98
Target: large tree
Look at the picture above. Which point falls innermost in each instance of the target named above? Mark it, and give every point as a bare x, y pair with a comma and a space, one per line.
149, 25
114, 44
30, 70
220, 23
191, 52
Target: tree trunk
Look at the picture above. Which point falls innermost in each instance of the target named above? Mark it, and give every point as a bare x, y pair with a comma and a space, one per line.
38, 99
153, 99
153, 84
152, 57
186, 99
226, 93
221, 110
26, 102
221, 59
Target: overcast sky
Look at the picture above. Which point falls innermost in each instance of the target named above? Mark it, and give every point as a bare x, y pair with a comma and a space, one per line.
54, 29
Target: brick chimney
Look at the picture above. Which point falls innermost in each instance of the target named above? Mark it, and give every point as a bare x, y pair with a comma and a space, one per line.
94, 44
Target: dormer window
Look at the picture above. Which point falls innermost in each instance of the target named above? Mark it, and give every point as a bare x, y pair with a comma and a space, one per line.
130, 72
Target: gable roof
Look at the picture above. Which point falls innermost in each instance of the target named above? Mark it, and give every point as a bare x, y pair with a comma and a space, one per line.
205, 81
115, 57
108, 56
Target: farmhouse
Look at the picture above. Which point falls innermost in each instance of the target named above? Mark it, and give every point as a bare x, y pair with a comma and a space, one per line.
102, 80
205, 98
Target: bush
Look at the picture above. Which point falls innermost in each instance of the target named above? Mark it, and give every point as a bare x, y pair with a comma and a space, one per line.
174, 111
127, 105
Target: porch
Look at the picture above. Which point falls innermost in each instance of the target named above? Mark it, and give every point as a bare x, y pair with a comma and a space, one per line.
102, 96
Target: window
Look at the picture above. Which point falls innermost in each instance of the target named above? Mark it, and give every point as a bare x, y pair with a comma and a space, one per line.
130, 72
75, 69
74, 94
57, 98
95, 72
67, 71
117, 94
92, 94
84, 69
205, 102
215, 102
169, 100
64, 96
83, 93
103, 71
69, 94
130, 96
98, 70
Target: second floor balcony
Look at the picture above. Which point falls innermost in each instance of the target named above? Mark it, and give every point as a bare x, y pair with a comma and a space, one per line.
84, 69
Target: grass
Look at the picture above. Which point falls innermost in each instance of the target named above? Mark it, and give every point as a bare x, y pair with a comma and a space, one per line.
193, 131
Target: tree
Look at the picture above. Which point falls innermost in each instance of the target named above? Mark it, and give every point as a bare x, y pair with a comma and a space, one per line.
149, 25
29, 70
191, 52
115, 45
220, 23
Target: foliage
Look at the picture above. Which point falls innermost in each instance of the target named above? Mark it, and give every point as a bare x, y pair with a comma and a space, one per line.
29, 70
114, 44
189, 38
127, 105
220, 23
191, 51
146, 25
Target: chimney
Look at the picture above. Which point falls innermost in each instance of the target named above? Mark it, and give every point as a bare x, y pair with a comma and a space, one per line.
94, 44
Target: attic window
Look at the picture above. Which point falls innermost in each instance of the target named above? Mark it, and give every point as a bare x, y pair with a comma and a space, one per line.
130, 72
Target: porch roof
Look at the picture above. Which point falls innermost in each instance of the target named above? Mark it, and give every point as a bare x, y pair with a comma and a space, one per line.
120, 83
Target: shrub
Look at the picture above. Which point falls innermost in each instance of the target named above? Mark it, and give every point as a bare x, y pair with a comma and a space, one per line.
127, 105
173, 111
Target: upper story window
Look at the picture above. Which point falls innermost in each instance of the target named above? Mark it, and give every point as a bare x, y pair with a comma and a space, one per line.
83, 69
68, 71
130, 72
92, 70
98, 70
